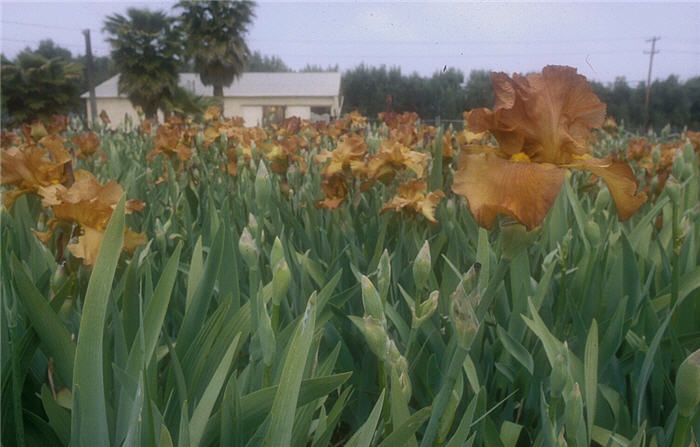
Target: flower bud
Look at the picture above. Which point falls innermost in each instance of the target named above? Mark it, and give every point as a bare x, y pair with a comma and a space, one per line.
384, 275
277, 253
688, 384
374, 333
557, 380
371, 300
422, 266
263, 188
573, 412
462, 310
267, 336
425, 310
246, 245
592, 231
687, 170
674, 190
656, 154
281, 277
677, 169
450, 207
252, 223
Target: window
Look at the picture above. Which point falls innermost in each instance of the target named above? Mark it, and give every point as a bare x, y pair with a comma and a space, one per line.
320, 114
273, 115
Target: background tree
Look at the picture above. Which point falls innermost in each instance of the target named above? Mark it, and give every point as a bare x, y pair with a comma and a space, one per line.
214, 39
315, 68
34, 87
146, 49
478, 90
258, 63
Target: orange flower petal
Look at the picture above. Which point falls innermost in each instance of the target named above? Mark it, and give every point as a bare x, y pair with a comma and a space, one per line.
88, 246
621, 183
548, 116
492, 185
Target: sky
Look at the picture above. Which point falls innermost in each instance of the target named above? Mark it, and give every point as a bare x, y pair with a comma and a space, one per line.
602, 40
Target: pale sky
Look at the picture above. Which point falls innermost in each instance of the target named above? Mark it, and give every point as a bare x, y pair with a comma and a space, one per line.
602, 40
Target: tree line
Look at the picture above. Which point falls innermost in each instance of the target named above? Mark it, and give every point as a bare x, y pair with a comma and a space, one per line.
150, 48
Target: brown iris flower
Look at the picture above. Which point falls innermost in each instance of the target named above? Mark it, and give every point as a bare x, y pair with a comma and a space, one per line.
29, 167
168, 141
412, 197
87, 143
90, 204
542, 123
393, 157
349, 153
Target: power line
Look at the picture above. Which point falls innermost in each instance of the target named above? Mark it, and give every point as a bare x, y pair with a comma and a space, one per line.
39, 25
464, 54
437, 41
5, 39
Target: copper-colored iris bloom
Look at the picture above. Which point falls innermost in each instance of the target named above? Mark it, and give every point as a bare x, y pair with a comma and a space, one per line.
393, 157
212, 113
29, 167
87, 143
349, 153
335, 189
542, 123
413, 198
168, 142
90, 204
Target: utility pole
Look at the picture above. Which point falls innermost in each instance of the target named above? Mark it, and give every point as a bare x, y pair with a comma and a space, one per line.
651, 61
90, 77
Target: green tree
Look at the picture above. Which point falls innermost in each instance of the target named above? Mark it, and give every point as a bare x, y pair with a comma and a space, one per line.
34, 87
215, 42
258, 63
146, 48
479, 90
315, 68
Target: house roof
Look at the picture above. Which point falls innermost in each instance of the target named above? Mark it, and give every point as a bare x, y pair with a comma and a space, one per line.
249, 85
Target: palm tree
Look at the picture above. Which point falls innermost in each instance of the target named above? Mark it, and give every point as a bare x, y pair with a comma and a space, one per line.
146, 49
214, 39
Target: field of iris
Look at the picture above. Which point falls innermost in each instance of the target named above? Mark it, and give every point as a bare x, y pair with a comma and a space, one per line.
201, 283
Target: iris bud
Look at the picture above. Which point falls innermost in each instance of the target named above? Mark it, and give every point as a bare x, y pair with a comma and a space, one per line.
421, 266
688, 384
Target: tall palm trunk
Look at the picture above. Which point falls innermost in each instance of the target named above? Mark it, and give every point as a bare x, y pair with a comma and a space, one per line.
219, 91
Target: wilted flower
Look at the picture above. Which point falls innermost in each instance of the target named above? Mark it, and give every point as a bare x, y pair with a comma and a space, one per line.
542, 123
335, 189
412, 198
104, 117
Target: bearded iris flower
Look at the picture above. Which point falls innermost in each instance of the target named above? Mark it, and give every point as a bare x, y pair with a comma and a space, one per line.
542, 123
413, 198
89, 204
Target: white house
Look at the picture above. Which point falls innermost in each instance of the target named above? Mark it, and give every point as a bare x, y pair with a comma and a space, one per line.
311, 96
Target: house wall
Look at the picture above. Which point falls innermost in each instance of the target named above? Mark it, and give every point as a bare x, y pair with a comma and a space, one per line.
248, 108
303, 112
117, 109
251, 108
252, 115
